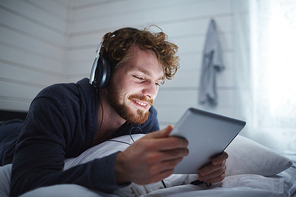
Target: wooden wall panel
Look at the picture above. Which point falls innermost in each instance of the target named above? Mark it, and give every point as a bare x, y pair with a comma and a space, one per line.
32, 49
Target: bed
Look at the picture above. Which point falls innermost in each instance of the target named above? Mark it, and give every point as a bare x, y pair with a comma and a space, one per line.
252, 170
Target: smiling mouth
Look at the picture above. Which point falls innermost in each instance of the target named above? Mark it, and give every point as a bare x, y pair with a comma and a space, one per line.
140, 103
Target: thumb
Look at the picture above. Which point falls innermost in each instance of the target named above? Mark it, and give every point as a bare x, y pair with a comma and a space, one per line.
161, 133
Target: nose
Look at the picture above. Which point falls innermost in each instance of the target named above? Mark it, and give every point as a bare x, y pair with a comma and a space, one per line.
150, 90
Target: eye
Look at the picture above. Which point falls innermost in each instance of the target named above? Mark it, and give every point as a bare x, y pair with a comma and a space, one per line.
137, 77
159, 83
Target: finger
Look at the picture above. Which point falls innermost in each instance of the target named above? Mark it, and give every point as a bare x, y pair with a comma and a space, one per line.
161, 133
167, 166
218, 174
161, 140
159, 172
212, 168
160, 158
217, 163
173, 154
220, 158
170, 143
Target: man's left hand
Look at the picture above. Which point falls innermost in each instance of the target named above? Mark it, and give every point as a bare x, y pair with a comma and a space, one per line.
215, 172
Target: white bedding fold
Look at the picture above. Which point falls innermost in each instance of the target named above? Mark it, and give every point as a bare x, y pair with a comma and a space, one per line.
237, 185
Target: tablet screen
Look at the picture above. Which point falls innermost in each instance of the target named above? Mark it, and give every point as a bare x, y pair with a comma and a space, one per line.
208, 135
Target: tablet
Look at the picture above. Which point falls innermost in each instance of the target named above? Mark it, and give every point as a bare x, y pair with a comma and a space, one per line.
208, 135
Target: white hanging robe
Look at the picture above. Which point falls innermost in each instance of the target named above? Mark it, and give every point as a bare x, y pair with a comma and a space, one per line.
212, 63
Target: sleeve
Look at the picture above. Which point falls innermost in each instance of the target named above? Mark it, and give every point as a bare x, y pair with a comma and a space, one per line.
9, 132
40, 154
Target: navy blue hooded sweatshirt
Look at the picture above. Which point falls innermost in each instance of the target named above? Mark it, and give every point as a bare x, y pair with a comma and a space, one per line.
61, 123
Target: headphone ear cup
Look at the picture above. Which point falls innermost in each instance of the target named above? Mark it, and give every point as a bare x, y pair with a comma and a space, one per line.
102, 74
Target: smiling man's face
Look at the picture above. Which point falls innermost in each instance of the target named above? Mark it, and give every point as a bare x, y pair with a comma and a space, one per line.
134, 85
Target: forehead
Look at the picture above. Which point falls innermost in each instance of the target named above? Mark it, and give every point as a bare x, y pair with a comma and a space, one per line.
144, 61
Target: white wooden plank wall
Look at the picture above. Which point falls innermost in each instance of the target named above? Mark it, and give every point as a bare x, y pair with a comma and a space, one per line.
32, 49
185, 22
44, 42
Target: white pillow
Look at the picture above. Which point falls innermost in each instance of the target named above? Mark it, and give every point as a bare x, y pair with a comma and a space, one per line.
106, 148
65, 190
249, 157
245, 156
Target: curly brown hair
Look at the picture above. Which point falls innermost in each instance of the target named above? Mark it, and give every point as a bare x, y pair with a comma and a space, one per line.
115, 47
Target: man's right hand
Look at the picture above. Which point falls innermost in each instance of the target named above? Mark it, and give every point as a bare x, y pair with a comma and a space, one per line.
151, 158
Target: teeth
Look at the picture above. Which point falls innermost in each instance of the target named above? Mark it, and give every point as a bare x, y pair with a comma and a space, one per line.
140, 103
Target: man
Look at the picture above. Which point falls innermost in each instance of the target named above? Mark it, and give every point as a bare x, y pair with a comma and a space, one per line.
66, 119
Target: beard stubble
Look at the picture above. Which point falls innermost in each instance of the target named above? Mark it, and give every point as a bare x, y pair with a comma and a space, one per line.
123, 110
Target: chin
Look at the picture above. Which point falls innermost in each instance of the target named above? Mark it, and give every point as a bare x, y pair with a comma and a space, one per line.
138, 117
